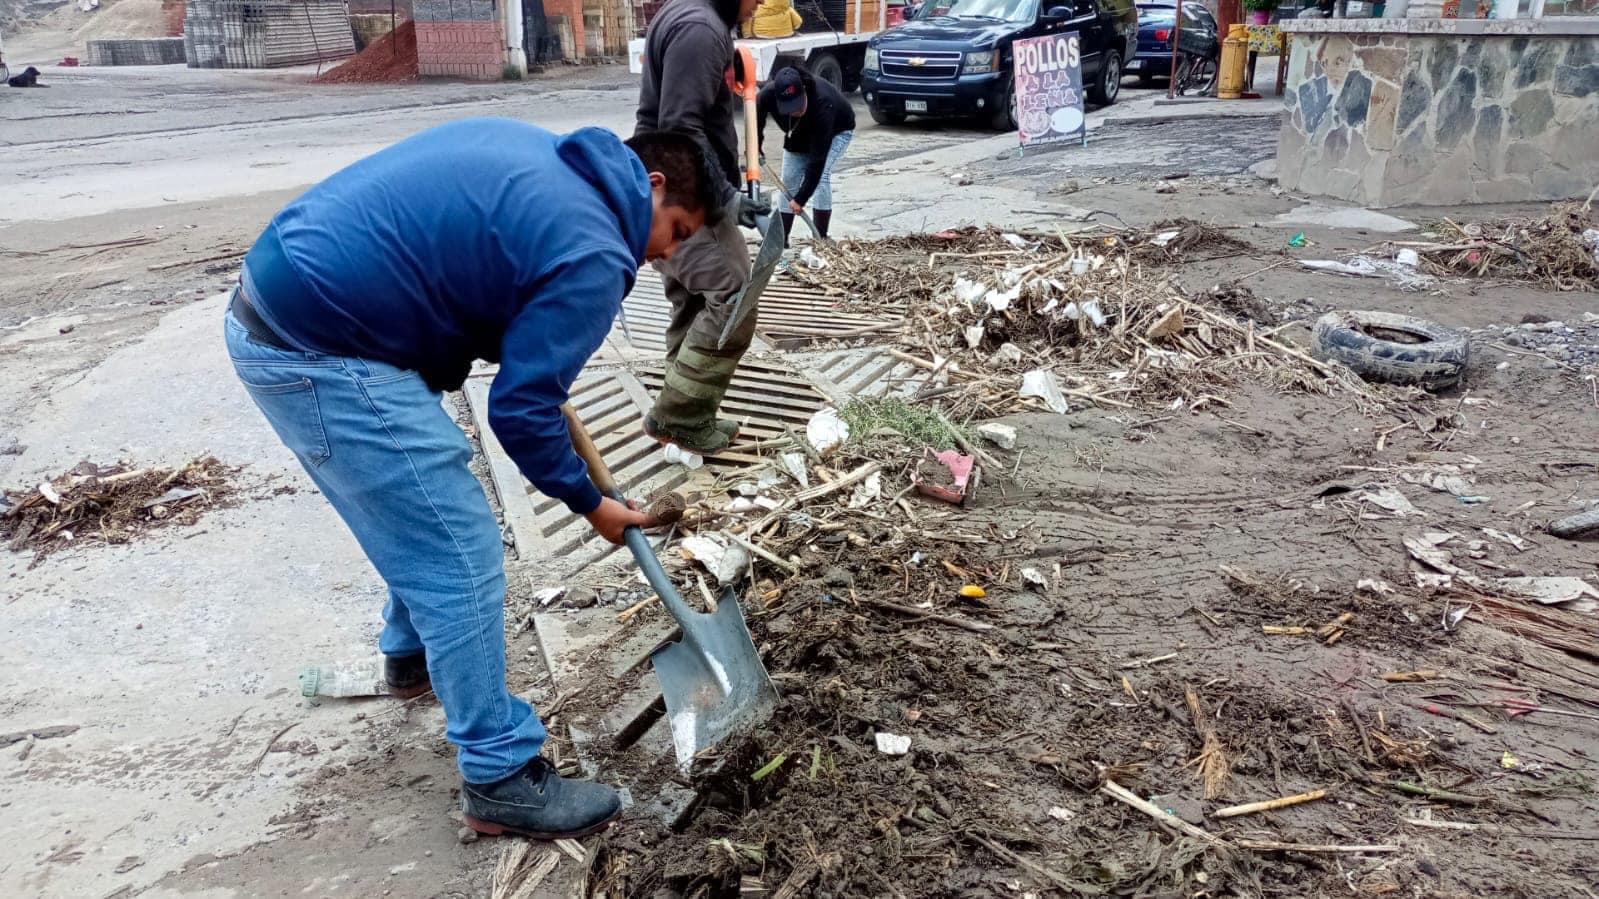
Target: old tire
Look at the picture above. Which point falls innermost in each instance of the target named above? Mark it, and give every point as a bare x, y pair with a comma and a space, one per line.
1575, 527
1394, 349
826, 67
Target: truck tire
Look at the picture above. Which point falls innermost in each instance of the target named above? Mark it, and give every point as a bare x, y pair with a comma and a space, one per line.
884, 116
826, 67
1395, 349
1108, 86
1575, 527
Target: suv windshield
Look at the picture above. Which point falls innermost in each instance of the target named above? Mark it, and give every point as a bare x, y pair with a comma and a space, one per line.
998, 10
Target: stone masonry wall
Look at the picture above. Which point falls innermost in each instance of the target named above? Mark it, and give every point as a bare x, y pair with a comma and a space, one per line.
1391, 118
459, 38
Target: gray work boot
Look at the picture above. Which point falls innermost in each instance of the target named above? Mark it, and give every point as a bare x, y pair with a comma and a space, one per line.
706, 440
538, 803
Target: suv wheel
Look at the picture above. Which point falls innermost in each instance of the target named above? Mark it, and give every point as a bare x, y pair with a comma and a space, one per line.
885, 116
1109, 83
1003, 118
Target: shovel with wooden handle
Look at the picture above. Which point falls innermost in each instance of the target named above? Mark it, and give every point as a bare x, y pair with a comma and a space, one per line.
772, 237
712, 677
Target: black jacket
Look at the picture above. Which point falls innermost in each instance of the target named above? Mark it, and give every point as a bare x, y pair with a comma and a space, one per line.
687, 51
827, 115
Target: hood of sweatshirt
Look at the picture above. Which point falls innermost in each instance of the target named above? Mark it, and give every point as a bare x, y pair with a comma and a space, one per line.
600, 158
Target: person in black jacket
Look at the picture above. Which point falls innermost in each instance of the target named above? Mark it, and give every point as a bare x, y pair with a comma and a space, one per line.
817, 123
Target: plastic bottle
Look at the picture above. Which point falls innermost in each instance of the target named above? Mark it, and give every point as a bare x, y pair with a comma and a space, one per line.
362, 677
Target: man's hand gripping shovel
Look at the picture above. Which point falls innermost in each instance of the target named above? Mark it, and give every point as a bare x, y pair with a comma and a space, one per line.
712, 678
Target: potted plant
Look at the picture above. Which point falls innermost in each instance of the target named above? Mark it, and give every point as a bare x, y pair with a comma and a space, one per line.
1260, 11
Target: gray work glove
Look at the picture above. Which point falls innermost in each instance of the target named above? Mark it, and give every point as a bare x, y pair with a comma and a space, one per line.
752, 210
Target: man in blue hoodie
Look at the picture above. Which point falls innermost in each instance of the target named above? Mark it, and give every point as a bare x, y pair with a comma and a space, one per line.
373, 292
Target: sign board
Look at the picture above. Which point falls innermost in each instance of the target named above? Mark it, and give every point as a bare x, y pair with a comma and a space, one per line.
1049, 90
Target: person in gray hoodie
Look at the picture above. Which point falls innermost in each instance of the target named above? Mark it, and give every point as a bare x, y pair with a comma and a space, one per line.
688, 54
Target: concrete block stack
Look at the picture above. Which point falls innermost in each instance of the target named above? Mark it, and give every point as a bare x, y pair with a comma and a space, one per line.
256, 34
202, 34
155, 51
459, 38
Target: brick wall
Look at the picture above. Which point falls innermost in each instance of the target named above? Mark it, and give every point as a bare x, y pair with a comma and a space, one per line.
459, 39
572, 12
172, 17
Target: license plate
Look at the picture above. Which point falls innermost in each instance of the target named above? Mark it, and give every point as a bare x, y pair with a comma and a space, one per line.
915, 105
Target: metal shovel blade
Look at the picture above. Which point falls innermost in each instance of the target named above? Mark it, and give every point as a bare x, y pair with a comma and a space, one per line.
766, 260
712, 679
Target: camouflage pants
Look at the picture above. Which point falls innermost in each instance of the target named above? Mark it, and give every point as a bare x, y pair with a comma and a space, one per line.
701, 279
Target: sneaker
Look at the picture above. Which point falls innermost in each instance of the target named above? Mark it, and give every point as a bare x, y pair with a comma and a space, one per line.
407, 675
538, 803
705, 440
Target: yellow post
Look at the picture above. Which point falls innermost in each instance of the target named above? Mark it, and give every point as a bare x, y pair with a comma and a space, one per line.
1234, 56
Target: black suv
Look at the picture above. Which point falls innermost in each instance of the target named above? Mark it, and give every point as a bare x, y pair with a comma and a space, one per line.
953, 57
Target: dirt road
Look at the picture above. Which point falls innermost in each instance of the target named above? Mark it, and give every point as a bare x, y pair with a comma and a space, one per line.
195, 768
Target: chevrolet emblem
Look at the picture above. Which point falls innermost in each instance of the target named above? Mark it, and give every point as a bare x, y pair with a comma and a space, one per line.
916, 61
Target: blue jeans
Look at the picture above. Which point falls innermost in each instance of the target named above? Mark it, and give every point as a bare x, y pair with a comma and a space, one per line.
794, 165
379, 445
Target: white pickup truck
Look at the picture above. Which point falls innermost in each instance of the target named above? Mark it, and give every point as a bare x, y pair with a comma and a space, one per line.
833, 56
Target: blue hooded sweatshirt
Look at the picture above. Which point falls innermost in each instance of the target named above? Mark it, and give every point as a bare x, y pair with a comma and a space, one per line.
480, 239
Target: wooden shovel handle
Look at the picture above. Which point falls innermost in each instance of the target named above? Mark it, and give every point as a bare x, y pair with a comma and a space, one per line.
665, 509
598, 472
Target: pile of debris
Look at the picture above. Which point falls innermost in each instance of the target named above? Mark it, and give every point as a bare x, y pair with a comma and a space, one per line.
898, 270
110, 504
933, 735
1014, 321
1558, 250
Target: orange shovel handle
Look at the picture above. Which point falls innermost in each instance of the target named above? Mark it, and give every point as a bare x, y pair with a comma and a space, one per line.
744, 84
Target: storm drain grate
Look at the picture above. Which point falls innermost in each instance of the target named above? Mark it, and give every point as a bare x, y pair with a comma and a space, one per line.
793, 316
863, 371
766, 397
763, 397
647, 313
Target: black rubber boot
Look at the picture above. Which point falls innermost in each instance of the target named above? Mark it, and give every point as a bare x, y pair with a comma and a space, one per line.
788, 226
822, 218
407, 676
704, 440
538, 803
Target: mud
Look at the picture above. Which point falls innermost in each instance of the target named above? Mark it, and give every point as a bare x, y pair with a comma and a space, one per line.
1012, 730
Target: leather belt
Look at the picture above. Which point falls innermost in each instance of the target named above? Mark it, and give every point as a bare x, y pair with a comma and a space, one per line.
254, 324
